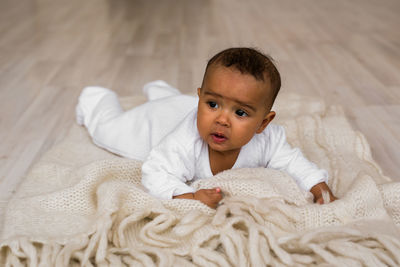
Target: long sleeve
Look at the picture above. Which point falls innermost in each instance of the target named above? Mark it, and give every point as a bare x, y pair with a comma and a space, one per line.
167, 169
171, 164
284, 157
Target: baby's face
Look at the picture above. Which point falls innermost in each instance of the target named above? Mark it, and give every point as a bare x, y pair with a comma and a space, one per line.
232, 108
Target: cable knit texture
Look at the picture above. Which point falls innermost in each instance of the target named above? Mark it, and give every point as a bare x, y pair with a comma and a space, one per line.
83, 206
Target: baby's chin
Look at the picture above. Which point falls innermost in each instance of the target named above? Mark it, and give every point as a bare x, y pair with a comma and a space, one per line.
222, 148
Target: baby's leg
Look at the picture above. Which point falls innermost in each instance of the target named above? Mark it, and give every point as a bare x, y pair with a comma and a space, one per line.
132, 133
159, 89
94, 97
100, 111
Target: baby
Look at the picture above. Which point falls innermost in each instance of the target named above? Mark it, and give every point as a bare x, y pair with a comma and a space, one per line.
229, 128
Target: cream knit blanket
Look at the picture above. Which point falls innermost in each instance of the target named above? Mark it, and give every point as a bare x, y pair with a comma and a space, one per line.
80, 205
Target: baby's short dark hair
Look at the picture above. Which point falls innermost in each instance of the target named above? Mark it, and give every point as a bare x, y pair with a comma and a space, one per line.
249, 61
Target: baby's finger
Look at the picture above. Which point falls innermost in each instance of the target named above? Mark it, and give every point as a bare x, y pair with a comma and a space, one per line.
219, 192
209, 192
215, 190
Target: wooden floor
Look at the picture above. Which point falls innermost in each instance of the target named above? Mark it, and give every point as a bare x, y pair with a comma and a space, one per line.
347, 52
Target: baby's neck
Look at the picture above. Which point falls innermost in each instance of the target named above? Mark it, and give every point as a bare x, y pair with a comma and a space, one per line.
221, 161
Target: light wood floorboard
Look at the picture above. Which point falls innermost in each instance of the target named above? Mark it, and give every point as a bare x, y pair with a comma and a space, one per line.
346, 52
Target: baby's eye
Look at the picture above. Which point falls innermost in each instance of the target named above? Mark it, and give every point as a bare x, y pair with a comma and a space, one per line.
212, 104
241, 113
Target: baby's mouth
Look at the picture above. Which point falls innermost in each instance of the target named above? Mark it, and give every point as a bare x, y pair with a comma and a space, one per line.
218, 137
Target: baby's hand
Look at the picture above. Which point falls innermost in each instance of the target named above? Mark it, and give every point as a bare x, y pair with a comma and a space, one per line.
210, 197
320, 200
321, 191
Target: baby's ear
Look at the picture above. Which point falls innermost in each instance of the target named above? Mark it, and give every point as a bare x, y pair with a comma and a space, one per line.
198, 91
267, 119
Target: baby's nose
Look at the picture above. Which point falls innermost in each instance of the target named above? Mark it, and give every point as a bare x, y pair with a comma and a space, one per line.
223, 119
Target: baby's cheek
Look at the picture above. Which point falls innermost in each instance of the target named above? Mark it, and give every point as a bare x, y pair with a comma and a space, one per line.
200, 125
246, 133
201, 128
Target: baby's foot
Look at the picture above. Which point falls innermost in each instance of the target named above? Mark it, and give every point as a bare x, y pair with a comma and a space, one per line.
89, 99
80, 118
159, 89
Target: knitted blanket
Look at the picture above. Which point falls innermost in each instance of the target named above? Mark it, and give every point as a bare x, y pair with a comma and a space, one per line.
81, 205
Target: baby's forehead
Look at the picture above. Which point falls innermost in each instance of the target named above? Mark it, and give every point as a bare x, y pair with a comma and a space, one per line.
217, 71
265, 82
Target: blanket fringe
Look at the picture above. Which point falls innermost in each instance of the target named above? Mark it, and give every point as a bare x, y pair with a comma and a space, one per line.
240, 242
243, 232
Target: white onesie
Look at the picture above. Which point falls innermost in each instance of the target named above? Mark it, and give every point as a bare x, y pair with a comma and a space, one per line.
166, 125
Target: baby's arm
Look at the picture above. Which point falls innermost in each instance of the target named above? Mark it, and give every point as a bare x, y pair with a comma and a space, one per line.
307, 175
168, 168
210, 197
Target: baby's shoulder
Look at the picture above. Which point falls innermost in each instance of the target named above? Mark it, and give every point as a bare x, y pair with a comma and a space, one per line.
185, 135
267, 140
273, 131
